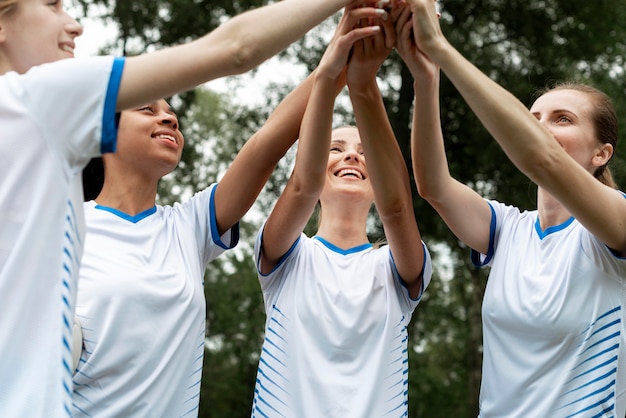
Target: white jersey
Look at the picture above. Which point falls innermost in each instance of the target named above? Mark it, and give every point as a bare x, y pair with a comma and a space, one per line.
142, 309
54, 119
336, 333
554, 319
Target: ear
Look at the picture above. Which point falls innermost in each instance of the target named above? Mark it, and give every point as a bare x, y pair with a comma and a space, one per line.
603, 155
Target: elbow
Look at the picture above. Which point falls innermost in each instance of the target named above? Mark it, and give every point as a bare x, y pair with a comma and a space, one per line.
398, 209
245, 53
305, 188
544, 166
259, 148
427, 192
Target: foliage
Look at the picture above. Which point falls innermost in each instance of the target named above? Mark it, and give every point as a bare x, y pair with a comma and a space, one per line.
522, 44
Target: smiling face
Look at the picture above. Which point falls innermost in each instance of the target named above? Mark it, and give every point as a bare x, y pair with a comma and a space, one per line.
569, 116
347, 171
35, 32
149, 139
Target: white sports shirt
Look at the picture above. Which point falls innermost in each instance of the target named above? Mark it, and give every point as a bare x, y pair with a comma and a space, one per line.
554, 319
336, 333
54, 119
142, 309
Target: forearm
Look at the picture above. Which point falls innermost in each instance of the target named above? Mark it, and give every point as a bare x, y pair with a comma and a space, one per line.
298, 199
265, 31
309, 174
259, 156
503, 115
454, 201
430, 164
235, 47
385, 163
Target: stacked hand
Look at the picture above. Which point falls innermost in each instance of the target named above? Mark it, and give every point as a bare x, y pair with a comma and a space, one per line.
410, 42
360, 20
369, 53
370, 29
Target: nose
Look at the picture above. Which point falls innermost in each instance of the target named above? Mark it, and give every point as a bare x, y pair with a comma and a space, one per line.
351, 156
72, 26
169, 120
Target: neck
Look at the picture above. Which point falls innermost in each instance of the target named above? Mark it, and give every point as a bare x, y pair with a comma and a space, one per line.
130, 196
550, 211
343, 227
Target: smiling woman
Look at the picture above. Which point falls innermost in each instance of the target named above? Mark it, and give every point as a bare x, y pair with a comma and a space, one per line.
338, 308
150, 259
554, 306
57, 114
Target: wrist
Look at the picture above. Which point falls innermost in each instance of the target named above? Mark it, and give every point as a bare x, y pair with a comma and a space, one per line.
368, 90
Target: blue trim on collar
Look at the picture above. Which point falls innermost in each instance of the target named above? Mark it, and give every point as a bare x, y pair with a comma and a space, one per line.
134, 219
336, 249
551, 229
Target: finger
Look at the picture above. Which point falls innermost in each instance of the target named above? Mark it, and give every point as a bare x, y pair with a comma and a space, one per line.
389, 31
361, 33
384, 4
397, 10
351, 19
403, 16
363, 13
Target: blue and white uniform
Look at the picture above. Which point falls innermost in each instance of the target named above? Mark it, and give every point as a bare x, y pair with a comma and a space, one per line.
54, 119
554, 320
336, 333
142, 309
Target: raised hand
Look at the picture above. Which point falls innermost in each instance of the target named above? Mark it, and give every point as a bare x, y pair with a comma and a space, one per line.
416, 60
349, 31
369, 53
426, 29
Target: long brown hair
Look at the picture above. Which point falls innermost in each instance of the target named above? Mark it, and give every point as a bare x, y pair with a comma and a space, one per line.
604, 121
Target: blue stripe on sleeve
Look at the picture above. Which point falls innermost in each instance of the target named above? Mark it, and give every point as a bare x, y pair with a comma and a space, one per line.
109, 117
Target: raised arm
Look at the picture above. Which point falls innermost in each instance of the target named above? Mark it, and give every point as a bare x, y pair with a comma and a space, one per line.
255, 162
297, 201
454, 201
235, 47
385, 164
529, 145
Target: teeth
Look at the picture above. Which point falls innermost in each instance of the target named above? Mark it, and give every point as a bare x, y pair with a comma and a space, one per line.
349, 171
168, 137
67, 48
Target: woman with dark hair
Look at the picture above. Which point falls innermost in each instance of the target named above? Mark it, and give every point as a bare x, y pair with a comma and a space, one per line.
56, 114
140, 302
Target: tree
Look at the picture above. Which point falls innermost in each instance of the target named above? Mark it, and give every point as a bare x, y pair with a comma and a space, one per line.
522, 44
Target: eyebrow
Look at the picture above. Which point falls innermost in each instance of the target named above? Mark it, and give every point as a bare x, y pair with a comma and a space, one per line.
557, 111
